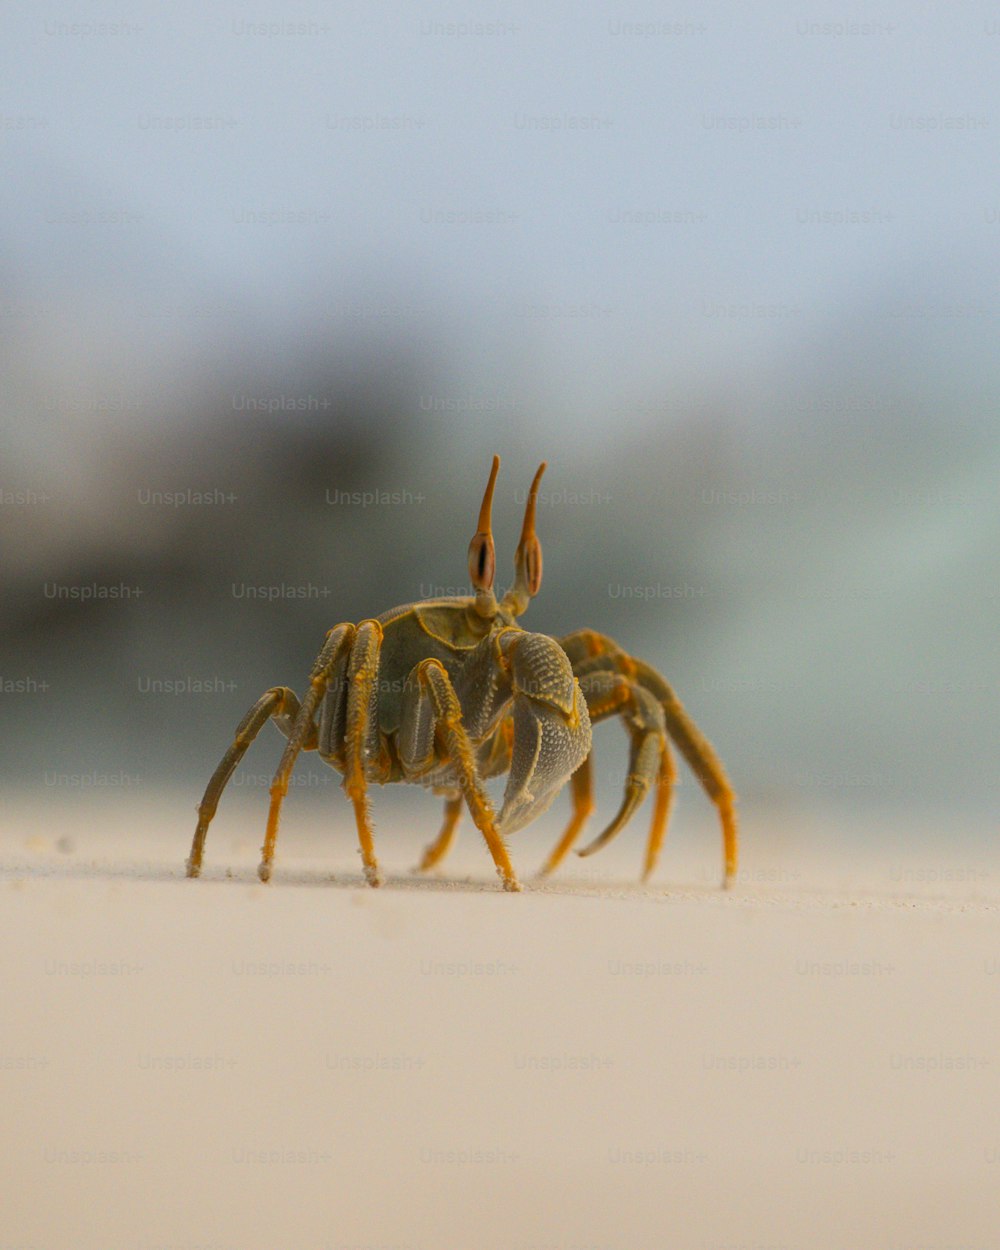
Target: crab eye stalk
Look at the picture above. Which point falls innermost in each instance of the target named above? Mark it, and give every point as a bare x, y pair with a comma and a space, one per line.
532, 556
482, 562
528, 557
482, 553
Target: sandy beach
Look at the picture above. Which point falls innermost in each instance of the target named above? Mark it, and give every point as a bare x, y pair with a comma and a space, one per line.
808, 1060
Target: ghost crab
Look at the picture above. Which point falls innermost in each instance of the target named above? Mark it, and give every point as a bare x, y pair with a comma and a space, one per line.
450, 692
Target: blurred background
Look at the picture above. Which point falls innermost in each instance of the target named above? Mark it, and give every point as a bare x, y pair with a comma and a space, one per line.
278, 280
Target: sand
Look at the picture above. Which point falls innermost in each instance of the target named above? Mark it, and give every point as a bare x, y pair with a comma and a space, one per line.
806, 1061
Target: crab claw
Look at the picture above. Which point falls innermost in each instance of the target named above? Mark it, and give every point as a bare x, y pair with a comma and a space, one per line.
551, 726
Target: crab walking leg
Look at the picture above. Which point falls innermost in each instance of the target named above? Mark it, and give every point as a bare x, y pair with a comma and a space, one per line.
441, 845
302, 737
434, 710
584, 645
583, 807
582, 790
644, 723
591, 652
701, 758
604, 698
495, 763
661, 811
278, 704
362, 737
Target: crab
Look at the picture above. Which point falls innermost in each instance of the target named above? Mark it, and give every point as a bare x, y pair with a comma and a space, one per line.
450, 692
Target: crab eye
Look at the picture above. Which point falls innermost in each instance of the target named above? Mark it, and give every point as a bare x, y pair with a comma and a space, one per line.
482, 555
482, 562
528, 557
533, 565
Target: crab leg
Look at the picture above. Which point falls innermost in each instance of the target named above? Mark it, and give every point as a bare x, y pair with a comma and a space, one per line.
361, 738
492, 763
644, 722
280, 705
652, 763
582, 789
701, 758
661, 811
441, 845
434, 710
591, 653
302, 737
606, 695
